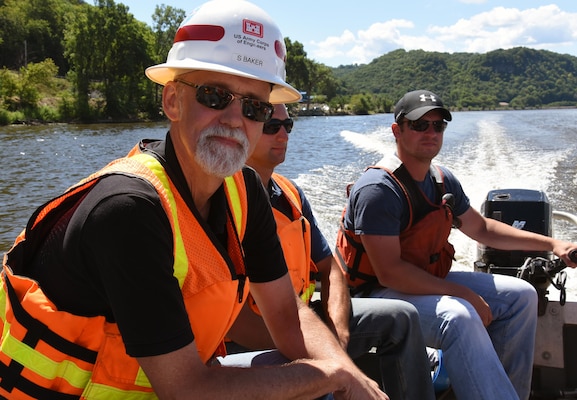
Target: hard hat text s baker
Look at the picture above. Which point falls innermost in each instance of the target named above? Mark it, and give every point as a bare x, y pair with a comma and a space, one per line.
248, 60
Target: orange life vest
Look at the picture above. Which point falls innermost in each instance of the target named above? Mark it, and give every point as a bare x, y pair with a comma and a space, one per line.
424, 241
295, 238
46, 353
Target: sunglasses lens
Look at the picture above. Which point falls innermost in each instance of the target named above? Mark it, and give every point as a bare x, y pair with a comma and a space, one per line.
439, 126
213, 97
218, 99
256, 110
422, 126
273, 126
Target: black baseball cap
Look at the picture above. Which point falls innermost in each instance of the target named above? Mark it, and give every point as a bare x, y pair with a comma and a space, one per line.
413, 105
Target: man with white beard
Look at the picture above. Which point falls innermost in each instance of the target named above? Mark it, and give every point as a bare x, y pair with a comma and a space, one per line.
126, 285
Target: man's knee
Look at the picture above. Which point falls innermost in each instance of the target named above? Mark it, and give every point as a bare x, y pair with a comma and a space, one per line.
387, 312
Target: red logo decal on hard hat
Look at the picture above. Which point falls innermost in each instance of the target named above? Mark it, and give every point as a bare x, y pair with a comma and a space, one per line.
252, 28
211, 33
280, 50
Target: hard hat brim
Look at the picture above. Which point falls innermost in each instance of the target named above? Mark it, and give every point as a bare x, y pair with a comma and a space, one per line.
281, 92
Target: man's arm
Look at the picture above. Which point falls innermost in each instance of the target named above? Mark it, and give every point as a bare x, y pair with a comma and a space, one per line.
182, 375
303, 336
502, 236
299, 334
250, 331
384, 253
335, 298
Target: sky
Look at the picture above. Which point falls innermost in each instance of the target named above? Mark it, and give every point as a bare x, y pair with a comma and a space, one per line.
357, 31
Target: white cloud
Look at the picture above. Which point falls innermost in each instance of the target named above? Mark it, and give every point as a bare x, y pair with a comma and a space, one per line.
546, 26
334, 45
365, 45
543, 27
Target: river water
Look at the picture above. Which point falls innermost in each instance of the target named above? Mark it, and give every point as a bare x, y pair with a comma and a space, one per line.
486, 150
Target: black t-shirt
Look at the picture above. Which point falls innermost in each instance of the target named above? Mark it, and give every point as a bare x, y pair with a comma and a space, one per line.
112, 255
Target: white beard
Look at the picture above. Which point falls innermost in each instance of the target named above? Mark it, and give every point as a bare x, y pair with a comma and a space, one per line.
218, 160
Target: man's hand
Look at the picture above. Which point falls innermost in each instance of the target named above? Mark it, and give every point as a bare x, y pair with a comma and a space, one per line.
566, 251
360, 387
481, 307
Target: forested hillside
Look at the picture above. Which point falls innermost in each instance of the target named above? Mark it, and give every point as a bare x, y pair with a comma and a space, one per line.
520, 76
68, 60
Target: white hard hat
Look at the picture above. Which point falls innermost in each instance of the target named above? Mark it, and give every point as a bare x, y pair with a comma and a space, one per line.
232, 37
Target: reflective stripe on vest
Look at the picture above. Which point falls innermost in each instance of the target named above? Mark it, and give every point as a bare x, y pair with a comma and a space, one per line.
232, 190
43, 363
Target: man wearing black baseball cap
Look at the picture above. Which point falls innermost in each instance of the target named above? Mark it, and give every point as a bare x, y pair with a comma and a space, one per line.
417, 103
394, 244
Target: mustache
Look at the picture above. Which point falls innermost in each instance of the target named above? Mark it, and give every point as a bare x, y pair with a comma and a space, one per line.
222, 131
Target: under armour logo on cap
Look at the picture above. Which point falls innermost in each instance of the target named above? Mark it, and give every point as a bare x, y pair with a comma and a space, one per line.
413, 105
431, 97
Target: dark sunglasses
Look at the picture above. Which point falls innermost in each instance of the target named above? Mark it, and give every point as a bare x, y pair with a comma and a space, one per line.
219, 98
421, 125
273, 126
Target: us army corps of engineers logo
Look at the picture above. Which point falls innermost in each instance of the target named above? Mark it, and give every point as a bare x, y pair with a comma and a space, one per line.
252, 35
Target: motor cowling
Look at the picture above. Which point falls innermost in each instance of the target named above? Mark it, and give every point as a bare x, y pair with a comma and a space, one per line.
524, 209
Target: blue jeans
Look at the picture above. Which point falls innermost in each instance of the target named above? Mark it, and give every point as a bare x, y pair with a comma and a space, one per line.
386, 335
482, 363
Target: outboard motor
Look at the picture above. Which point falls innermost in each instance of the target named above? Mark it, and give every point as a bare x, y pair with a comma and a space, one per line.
555, 356
524, 209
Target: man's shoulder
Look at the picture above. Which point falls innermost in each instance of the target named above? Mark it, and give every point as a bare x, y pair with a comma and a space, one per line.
250, 176
375, 185
278, 177
281, 180
114, 194
254, 188
447, 174
123, 184
373, 175
252, 181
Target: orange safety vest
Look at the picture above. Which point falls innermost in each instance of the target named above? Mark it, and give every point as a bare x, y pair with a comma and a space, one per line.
424, 242
295, 238
46, 353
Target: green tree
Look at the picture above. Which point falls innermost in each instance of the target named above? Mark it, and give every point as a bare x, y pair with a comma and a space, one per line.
165, 22
106, 44
47, 19
296, 64
13, 34
361, 104
78, 50
9, 88
308, 75
338, 104
327, 84
36, 77
31, 31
